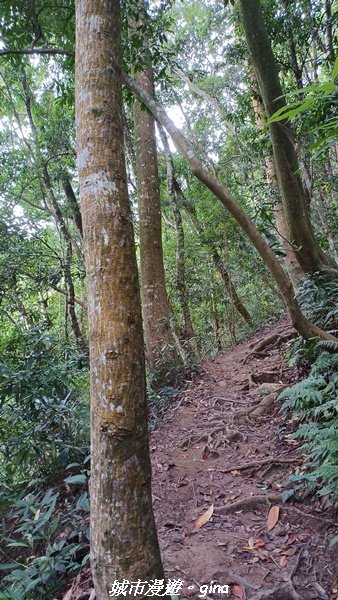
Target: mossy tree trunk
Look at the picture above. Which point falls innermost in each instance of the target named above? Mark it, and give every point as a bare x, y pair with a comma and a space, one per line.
123, 536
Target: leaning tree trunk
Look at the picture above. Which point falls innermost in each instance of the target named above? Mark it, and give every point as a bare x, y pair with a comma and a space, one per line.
310, 256
123, 536
283, 281
160, 345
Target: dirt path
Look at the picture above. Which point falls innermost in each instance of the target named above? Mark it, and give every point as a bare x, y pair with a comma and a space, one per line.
197, 455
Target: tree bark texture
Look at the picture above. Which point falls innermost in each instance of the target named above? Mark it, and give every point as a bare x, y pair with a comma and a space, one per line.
299, 321
160, 345
123, 536
310, 256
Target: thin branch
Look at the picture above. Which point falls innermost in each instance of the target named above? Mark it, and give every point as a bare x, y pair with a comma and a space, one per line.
65, 293
50, 51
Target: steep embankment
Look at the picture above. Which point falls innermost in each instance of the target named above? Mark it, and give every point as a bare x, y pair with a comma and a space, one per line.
220, 480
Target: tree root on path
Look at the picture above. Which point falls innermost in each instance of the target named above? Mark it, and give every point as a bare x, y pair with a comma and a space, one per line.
271, 340
266, 376
285, 591
266, 402
257, 410
261, 463
250, 502
231, 436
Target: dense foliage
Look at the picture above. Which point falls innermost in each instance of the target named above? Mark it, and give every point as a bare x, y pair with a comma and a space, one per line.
204, 79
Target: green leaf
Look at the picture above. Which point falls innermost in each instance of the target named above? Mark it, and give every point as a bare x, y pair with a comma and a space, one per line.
334, 73
8, 566
18, 544
76, 479
53, 526
284, 113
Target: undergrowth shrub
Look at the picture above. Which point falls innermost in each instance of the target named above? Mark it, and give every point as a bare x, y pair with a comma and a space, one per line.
44, 425
45, 539
44, 409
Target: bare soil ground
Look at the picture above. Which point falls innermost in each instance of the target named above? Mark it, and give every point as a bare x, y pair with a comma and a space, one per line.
220, 484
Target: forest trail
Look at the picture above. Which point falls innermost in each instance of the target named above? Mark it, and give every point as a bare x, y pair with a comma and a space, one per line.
198, 452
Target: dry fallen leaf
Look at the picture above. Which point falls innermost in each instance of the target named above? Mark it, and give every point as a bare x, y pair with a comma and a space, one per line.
290, 551
283, 562
273, 516
203, 519
253, 545
238, 592
291, 539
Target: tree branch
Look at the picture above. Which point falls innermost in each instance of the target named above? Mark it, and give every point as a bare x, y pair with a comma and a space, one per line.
299, 321
50, 51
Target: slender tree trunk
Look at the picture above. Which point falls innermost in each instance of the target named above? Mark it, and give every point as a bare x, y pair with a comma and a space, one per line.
123, 536
160, 344
227, 280
42, 166
299, 321
73, 203
76, 329
188, 333
329, 32
310, 256
297, 71
324, 221
214, 313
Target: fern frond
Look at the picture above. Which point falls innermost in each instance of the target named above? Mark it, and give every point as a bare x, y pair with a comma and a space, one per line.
330, 345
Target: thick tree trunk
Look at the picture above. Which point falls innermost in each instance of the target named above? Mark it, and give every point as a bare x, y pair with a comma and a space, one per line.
160, 344
310, 256
291, 262
299, 321
123, 536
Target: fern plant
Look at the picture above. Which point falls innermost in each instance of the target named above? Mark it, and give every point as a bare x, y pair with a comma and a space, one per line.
315, 402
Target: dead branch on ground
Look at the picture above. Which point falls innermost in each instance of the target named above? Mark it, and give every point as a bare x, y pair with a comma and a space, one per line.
250, 502
261, 463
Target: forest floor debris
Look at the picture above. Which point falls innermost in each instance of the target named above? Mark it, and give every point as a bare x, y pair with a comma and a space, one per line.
241, 477
225, 509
